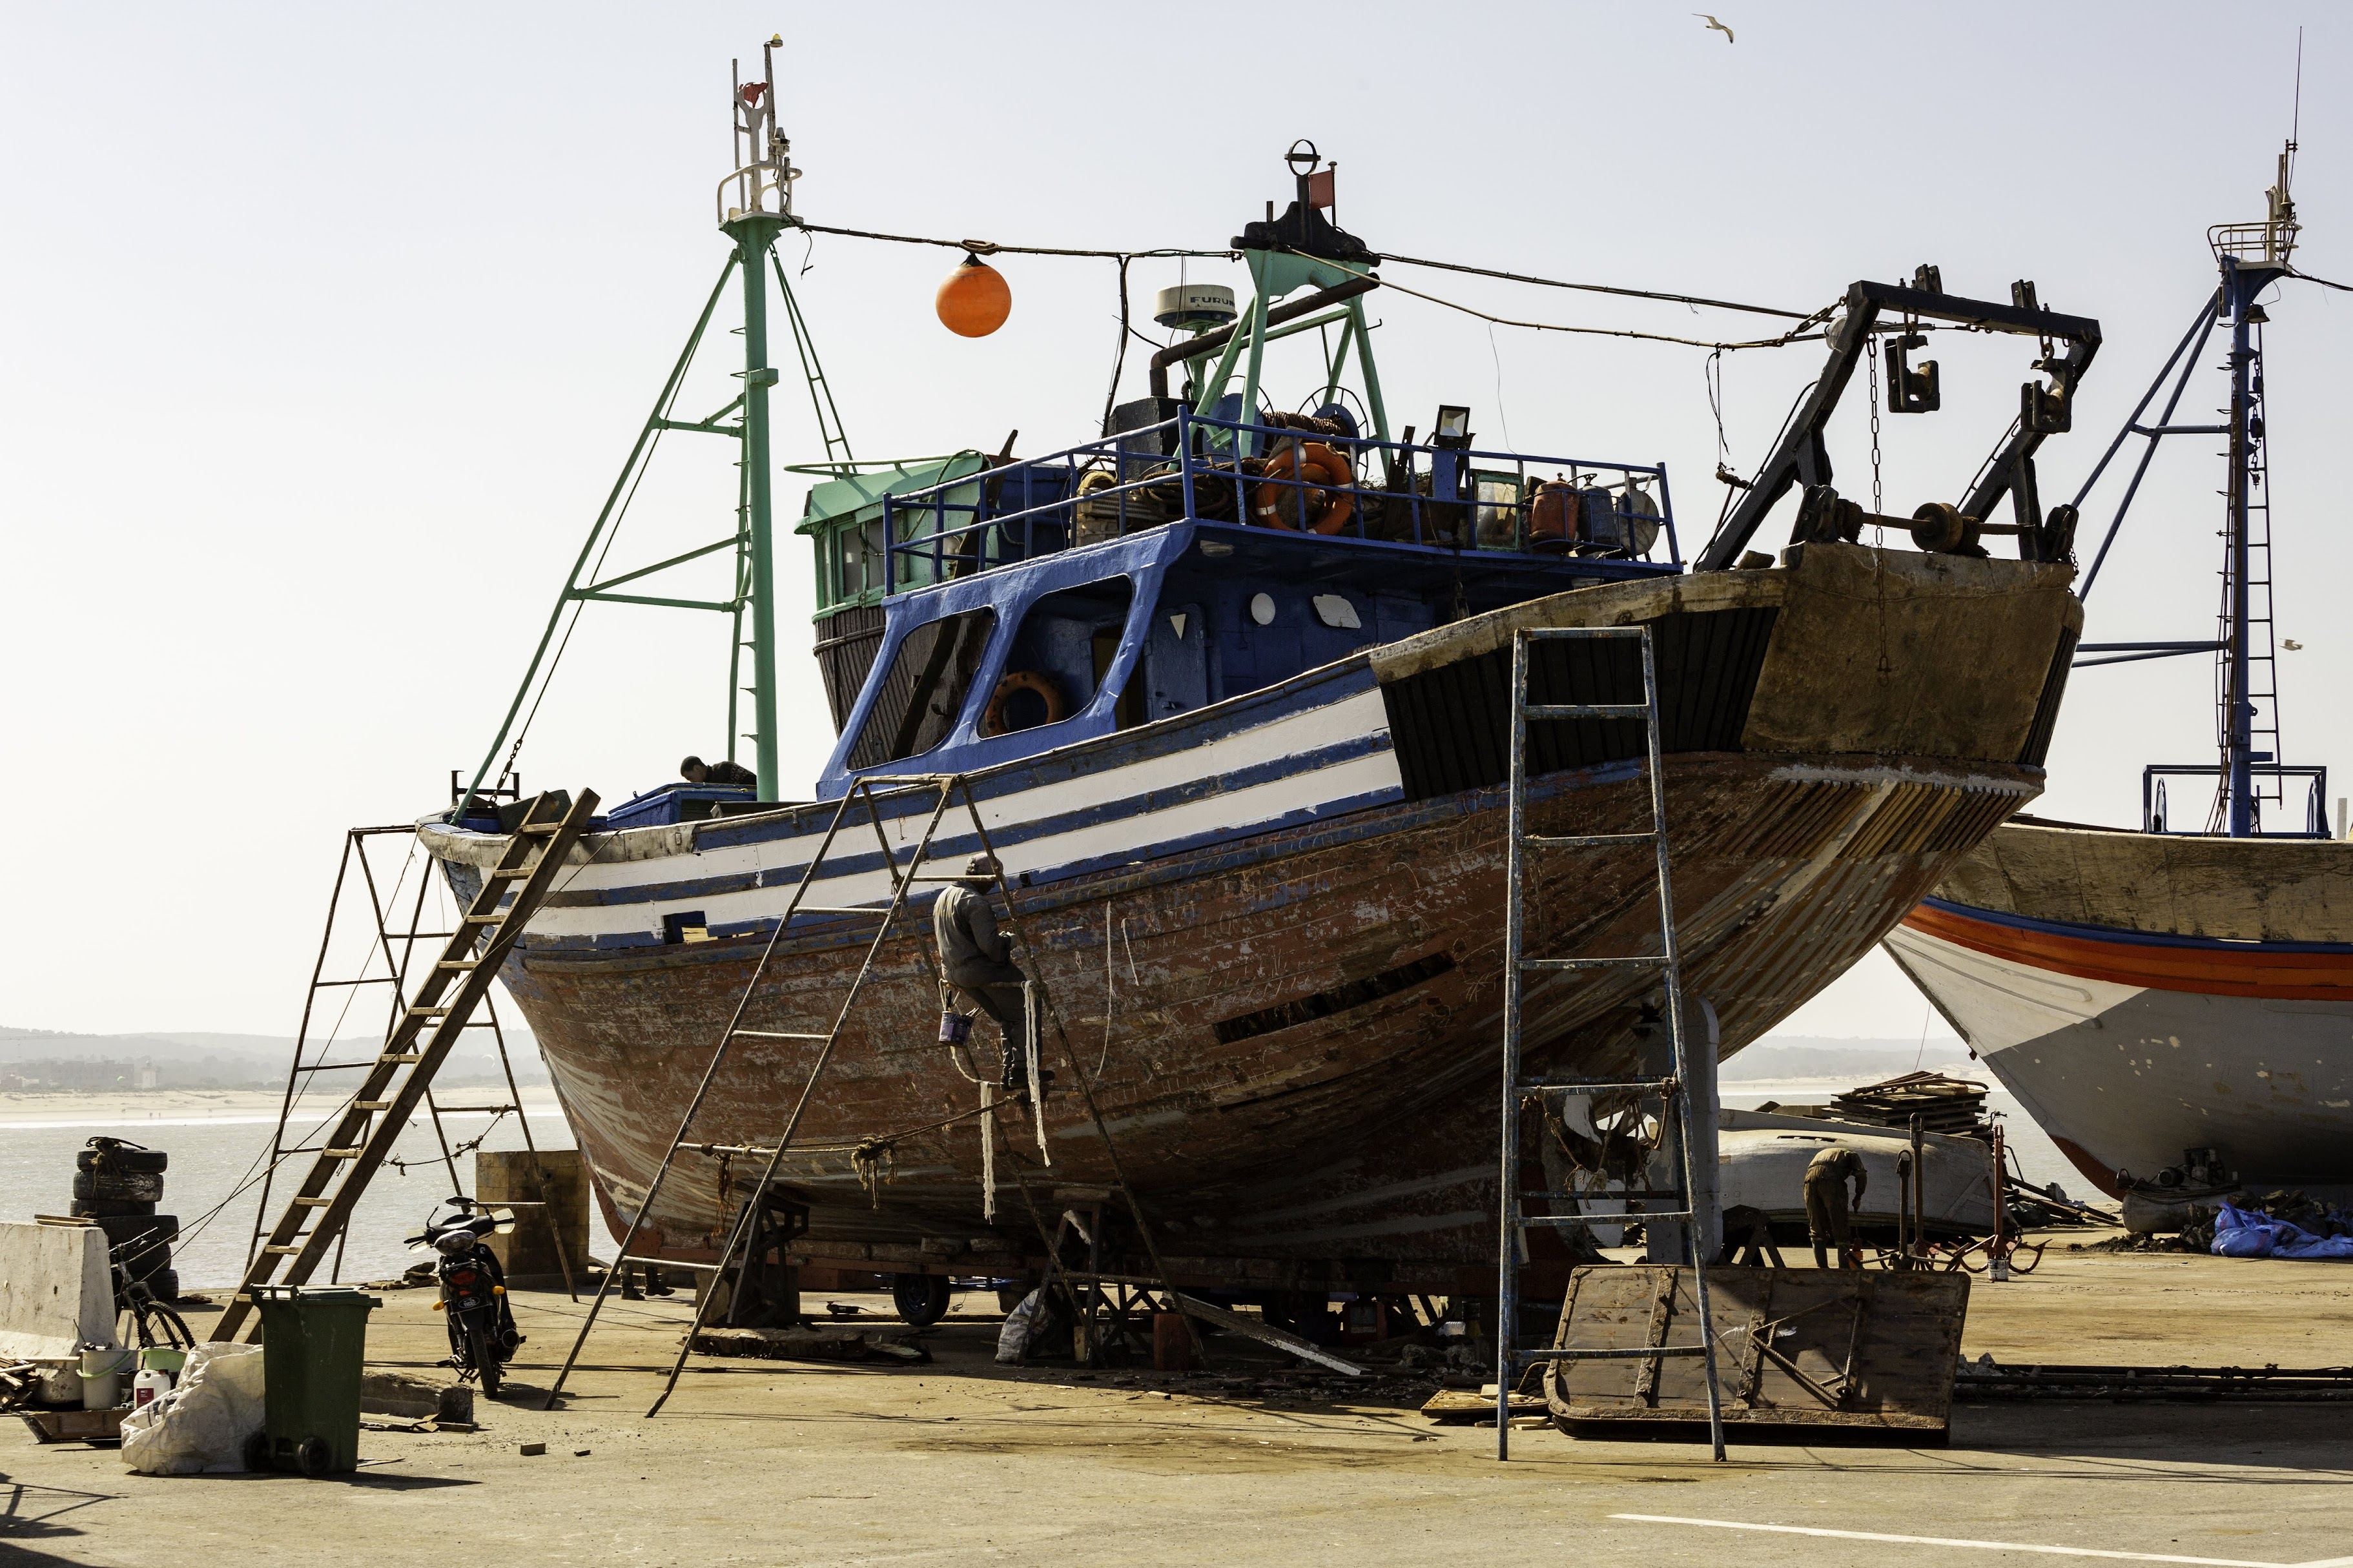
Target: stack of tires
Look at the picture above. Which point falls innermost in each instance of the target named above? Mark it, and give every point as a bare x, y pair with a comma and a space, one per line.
121, 1186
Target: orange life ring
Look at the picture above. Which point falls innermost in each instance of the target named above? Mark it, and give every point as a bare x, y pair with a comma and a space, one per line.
992, 722
1322, 471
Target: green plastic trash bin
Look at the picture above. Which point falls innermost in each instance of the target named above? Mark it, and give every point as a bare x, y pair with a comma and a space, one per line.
314, 1346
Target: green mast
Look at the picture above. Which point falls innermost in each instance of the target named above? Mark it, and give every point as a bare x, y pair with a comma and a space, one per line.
754, 234
761, 209
764, 192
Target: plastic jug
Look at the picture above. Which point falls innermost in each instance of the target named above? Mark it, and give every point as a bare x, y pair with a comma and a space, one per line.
150, 1384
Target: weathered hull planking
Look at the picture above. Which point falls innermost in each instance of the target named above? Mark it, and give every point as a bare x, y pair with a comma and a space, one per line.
1271, 931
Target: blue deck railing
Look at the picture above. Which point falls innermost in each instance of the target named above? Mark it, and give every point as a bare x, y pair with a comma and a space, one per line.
1343, 488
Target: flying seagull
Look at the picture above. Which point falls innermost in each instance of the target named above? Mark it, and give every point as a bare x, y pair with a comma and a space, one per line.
1715, 26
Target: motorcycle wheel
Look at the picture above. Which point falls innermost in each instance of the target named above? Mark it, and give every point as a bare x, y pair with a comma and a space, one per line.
482, 1349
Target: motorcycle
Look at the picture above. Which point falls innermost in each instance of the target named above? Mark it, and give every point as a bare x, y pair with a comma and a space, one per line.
482, 1336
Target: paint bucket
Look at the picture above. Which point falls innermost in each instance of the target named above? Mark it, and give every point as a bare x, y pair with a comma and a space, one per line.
163, 1358
955, 1027
101, 1376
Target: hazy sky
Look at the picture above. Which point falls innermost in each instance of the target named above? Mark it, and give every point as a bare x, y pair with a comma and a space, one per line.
326, 329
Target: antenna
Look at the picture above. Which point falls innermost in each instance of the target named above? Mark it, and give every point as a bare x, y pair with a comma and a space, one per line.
2296, 115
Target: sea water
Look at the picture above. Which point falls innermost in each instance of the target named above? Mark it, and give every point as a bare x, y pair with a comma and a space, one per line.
213, 1184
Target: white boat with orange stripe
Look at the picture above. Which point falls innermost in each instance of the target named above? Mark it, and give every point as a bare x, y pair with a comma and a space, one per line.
2144, 995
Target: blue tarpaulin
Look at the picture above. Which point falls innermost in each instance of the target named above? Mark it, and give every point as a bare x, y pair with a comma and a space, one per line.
2250, 1233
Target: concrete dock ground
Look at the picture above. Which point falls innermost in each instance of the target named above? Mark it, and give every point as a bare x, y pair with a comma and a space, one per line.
960, 1459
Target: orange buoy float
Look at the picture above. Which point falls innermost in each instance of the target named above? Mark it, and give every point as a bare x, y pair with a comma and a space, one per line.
1290, 490
1002, 719
975, 301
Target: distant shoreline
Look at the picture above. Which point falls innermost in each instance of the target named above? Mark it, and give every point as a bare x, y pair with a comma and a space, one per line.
178, 1106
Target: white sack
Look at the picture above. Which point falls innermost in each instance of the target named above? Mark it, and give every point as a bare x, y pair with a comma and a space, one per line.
204, 1424
1013, 1338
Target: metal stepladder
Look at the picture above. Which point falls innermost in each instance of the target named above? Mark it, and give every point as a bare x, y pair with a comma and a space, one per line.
424, 1028
1517, 1089
743, 1251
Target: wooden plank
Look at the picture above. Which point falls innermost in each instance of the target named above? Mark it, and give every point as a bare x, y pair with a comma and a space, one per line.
1462, 1407
1258, 1328
1813, 1346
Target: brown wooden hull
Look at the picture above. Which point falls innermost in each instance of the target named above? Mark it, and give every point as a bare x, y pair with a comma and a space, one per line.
1784, 875
1298, 1062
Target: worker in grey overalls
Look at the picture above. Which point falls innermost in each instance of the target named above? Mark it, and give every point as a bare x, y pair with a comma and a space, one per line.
1827, 1210
976, 959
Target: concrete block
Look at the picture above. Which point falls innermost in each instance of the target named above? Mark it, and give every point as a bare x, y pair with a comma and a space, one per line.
56, 1290
528, 1255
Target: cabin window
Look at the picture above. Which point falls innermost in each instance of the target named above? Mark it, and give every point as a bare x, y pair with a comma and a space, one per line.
1061, 656
917, 702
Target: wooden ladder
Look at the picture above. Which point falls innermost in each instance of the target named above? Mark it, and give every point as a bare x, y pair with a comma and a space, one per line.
419, 1040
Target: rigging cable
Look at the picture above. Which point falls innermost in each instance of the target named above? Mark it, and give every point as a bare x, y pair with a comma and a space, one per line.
989, 247
1795, 334
1601, 289
1119, 360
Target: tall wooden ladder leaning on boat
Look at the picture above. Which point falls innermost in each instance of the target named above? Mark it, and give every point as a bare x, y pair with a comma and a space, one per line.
737, 1258
386, 960
421, 1037
1518, 1090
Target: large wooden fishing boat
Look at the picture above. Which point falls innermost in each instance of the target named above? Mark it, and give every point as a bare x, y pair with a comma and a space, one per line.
1228, 690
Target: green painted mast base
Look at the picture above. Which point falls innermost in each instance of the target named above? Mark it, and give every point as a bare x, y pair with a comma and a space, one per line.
754, 233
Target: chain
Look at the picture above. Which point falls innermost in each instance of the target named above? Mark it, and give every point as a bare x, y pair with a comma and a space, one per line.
1878, 534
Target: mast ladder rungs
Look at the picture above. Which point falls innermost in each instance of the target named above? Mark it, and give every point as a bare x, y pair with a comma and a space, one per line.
312, 1203
371, 1105
282, 1251
772, 1035
495, 918
1538, 1219
1612, 1354
339, 1153
429, 1012
402, 1059
1654, 962
1592, 1085
824, 909
510, 873
458, 963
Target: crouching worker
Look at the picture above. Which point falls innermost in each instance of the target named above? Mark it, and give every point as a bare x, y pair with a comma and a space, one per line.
1827, 1211
695, 770
975, 957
